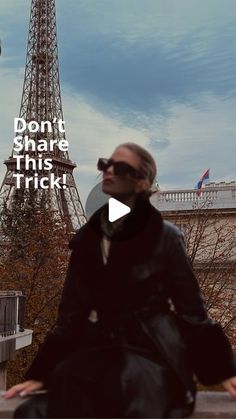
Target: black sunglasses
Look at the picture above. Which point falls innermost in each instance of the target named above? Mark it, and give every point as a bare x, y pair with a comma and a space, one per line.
121, 168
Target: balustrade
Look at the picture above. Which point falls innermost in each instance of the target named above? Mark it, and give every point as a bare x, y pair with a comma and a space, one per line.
13, 336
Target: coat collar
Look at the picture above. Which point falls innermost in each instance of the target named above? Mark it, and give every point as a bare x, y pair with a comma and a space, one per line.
143, 217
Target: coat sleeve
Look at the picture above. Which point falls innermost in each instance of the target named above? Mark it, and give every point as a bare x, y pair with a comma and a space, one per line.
64, 338
209, 349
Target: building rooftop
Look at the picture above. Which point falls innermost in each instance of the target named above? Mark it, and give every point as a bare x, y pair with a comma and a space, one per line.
219, 196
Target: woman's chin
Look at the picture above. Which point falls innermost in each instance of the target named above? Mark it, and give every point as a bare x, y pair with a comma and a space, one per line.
107, 188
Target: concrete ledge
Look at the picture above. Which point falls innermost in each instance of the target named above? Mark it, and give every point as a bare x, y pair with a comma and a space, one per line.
7, 407
208, 405
23, 338
214, 404
8, 346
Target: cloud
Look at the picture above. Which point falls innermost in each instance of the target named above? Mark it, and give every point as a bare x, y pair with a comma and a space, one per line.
13, 11
10, 88
14, 23
184, 143
186, 140
200, 137
111, 72
164, 21
162, 76
92, 134
159, 144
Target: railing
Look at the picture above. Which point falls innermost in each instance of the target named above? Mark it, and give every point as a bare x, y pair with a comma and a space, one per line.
13, 336
11, 313
213, 196
188, 195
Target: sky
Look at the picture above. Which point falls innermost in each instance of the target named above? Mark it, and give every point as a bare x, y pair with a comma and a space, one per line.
160, 73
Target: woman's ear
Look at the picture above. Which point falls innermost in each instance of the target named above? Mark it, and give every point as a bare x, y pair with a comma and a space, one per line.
142, 185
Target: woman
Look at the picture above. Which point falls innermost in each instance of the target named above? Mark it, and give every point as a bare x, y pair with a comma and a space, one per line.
132, 328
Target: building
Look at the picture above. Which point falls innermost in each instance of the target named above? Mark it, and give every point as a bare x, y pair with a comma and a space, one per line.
208, 223
222, 197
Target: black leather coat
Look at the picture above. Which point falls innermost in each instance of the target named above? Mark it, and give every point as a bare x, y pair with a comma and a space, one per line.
147, 274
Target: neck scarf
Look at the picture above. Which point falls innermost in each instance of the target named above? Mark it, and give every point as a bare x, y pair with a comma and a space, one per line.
126, 225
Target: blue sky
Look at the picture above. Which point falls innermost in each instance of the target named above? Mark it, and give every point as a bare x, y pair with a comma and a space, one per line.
157, 72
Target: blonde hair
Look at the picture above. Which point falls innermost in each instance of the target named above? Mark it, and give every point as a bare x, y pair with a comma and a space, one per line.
147, 162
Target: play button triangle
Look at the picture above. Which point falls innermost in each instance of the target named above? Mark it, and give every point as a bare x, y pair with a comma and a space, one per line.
116, 209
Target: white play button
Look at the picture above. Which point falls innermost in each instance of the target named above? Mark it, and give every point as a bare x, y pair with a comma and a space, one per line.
116, 209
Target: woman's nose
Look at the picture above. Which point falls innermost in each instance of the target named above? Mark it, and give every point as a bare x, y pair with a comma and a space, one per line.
110, 170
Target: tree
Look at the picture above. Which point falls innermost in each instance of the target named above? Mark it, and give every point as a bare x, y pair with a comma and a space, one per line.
210, 241
34, 261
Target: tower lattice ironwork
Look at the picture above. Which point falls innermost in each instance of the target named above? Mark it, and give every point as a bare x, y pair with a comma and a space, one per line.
41, 101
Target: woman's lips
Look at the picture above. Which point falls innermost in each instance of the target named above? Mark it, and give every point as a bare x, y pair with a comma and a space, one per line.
108, 181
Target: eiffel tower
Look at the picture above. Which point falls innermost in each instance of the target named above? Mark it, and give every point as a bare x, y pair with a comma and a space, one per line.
41, 101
